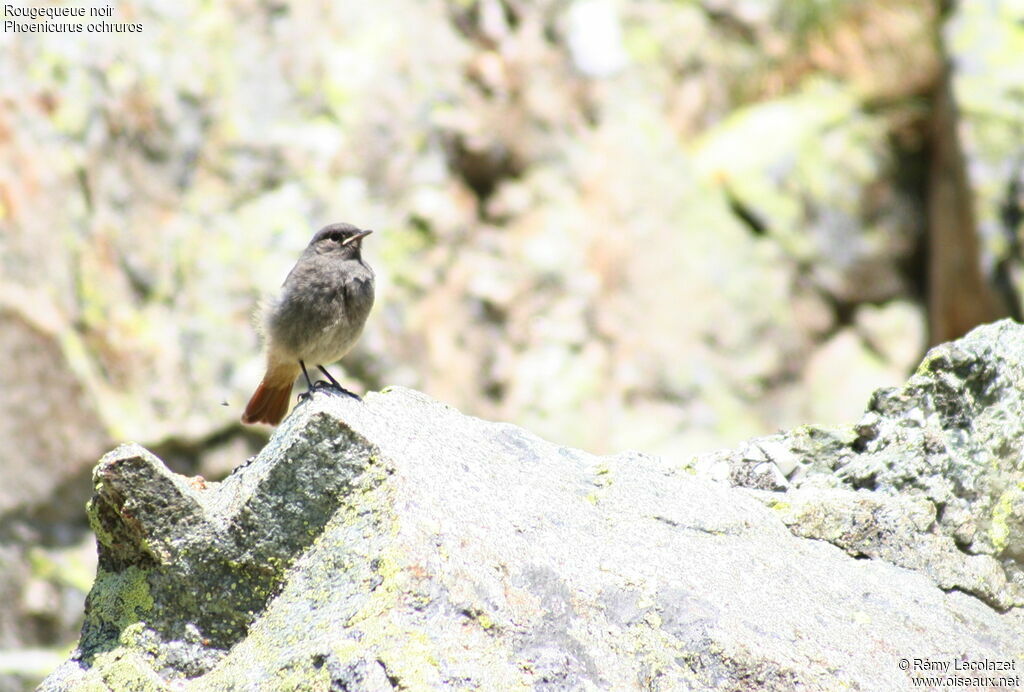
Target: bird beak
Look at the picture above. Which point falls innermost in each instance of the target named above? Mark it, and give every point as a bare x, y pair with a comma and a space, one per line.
357, 236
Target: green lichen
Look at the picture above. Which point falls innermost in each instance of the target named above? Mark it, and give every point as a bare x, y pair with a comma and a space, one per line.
121, 598
102, 535
407, 651
603, 476
690, 466
122, 669
999, 530
410, 655
657, 650
927, 363
92, 683
299, 677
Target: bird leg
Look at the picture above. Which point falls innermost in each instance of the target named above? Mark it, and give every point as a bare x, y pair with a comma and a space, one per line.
334, 383
309, 384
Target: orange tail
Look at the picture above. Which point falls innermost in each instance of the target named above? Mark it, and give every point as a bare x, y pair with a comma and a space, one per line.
269, 402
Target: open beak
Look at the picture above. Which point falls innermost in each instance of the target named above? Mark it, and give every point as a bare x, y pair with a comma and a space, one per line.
358, 236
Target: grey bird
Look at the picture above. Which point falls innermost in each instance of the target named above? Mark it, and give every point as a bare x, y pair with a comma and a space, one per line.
316, 319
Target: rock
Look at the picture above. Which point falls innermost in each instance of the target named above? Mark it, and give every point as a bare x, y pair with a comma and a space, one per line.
50, 435
47, 443
929, 478
397, 543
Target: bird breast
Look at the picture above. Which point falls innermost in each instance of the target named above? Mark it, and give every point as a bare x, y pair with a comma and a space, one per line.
320, 314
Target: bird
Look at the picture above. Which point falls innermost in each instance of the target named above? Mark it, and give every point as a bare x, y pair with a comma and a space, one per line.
316, 318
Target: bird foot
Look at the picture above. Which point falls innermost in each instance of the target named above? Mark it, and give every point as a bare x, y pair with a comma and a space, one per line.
330, 386
335, 387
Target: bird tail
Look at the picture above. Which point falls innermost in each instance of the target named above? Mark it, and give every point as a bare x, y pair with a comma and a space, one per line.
269, 403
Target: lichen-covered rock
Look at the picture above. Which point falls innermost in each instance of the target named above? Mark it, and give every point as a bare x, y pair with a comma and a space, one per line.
931, 478
398, 544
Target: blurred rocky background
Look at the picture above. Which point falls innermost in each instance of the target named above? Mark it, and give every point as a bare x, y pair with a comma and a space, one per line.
666, 226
